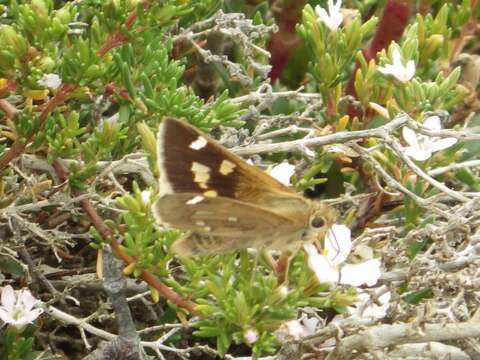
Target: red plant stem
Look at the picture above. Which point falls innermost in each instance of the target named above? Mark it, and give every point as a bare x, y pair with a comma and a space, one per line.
118, 38
8, 109
107, 234
390, 28
11, 85
19, 145
113, 40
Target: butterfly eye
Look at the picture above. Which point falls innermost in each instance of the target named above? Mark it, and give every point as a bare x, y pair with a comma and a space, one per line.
317, 222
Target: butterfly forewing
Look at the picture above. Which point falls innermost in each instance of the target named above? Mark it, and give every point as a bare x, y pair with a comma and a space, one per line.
191, 162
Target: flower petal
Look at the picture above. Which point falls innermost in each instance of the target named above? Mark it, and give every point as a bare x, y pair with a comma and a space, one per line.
338, 243
29, 317
283, 172
371, 311
52, 81
396, 57
387, 69
433, 123
336, 6
294, 329
397, 69
444, 143
376, 312
418, 154
146, 196
320, 265
367, 273
310, 325
250, 336
26, 298
322, 14
410, 136
8, 298
409, 70
6, 316
334, 18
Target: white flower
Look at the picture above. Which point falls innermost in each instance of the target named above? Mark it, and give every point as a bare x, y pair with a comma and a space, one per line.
367, 273
283, 291
422, 146
397, 69
366, 309
51, 81
297, 329
283, 172
146, 197
329, 266
109, 122
250, 336
18, 309
333, 19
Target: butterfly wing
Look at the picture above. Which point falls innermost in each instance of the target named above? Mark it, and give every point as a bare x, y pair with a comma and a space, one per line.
195, 244
191, 162
220, 224
219, 216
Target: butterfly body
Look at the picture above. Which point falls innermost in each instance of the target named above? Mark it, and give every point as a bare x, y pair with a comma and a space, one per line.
225, 203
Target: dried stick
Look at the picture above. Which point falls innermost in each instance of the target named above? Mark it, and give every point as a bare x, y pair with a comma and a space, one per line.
382, 336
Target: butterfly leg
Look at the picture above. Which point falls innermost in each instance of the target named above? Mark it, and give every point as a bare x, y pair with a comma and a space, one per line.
283, 265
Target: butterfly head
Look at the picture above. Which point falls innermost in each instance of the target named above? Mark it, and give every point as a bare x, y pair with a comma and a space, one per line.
321, 219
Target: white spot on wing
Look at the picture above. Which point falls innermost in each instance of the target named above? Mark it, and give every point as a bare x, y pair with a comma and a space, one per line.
210, 193
195, 200
226, 167
201, 174
198, 144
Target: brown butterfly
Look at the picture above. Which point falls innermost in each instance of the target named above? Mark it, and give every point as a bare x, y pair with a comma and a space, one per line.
225, 203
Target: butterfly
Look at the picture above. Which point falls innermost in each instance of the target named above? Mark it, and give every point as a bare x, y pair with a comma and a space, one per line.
224, 203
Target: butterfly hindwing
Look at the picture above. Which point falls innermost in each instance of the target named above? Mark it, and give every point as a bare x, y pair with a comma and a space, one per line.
219, 216
200, 244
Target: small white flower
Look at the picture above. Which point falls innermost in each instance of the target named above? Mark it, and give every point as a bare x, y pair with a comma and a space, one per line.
329, 267
283, 172
110, 121
146, 197
51, 81
334, 18
17, 307
401, 72
283, 291
297, 329
366, 309
250, 336
422, 146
